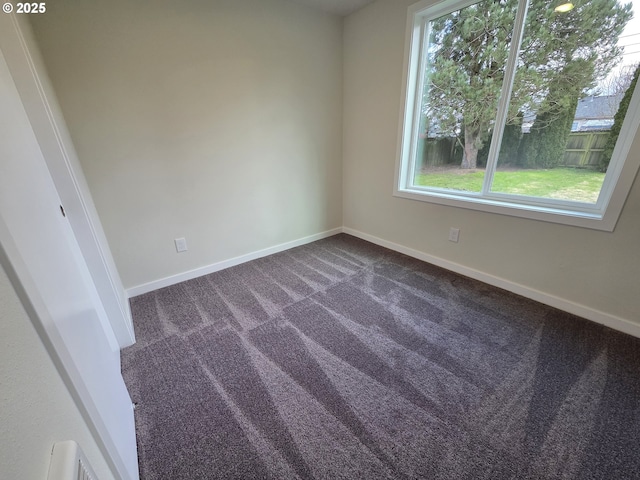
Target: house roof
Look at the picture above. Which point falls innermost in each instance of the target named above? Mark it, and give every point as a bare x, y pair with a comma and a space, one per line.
604, 107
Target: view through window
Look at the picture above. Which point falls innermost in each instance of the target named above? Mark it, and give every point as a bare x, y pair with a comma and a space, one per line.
538, 120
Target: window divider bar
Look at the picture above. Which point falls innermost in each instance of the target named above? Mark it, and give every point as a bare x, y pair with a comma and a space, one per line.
505, 96
415, 133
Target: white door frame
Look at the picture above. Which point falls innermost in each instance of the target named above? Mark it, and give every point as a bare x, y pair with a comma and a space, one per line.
42, 256
38, 98
61, 356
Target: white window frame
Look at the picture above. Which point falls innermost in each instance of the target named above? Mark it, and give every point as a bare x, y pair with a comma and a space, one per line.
603, 215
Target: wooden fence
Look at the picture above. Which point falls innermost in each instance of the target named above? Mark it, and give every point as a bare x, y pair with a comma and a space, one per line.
584, 149
439, 152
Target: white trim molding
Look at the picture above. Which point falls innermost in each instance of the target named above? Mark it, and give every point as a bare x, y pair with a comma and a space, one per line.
612, 321
39, 101
603, 318
232, 262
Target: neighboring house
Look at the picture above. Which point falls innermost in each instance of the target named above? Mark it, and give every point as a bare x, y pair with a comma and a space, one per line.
592, 114
596, 113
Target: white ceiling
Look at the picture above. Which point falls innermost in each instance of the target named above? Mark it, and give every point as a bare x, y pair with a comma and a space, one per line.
338, 7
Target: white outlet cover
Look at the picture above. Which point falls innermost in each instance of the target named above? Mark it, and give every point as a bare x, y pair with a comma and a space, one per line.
181, 244
454, 233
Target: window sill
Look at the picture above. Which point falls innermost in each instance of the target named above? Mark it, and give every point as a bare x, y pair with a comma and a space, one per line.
503, 205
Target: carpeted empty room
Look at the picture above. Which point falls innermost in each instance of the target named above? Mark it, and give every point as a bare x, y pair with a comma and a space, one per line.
320, 239
344, 360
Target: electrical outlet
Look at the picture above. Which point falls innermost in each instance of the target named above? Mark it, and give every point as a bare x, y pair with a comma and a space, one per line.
181, 244
454, 233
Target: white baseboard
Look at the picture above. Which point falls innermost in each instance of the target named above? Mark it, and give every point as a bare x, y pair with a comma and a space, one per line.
207, 269
612, 321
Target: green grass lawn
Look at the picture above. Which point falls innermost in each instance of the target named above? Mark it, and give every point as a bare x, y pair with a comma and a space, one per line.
562, 183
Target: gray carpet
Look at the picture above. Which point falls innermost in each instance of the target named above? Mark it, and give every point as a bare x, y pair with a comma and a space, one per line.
343, 360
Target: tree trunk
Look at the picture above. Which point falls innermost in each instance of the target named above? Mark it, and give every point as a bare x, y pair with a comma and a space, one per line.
470, 153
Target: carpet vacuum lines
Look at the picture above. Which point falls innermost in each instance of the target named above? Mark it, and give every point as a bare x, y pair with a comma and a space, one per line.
341, 359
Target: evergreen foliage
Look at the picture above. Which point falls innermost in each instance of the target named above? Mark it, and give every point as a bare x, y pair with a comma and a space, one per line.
511, 139
561, 56
617, 123
544, 146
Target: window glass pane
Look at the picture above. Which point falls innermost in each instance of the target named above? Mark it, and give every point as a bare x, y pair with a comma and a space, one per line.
571, 78
464, 65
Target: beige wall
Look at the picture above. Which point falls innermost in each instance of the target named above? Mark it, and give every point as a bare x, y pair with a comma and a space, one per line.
598, 270
36, 409
219, 121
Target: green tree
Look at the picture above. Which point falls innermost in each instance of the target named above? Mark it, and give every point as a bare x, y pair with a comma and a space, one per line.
617, 122
468, 52
469, 49
509, 146
583, 49
544, 146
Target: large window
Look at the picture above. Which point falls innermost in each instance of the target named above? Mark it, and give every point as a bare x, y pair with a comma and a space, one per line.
522, 107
